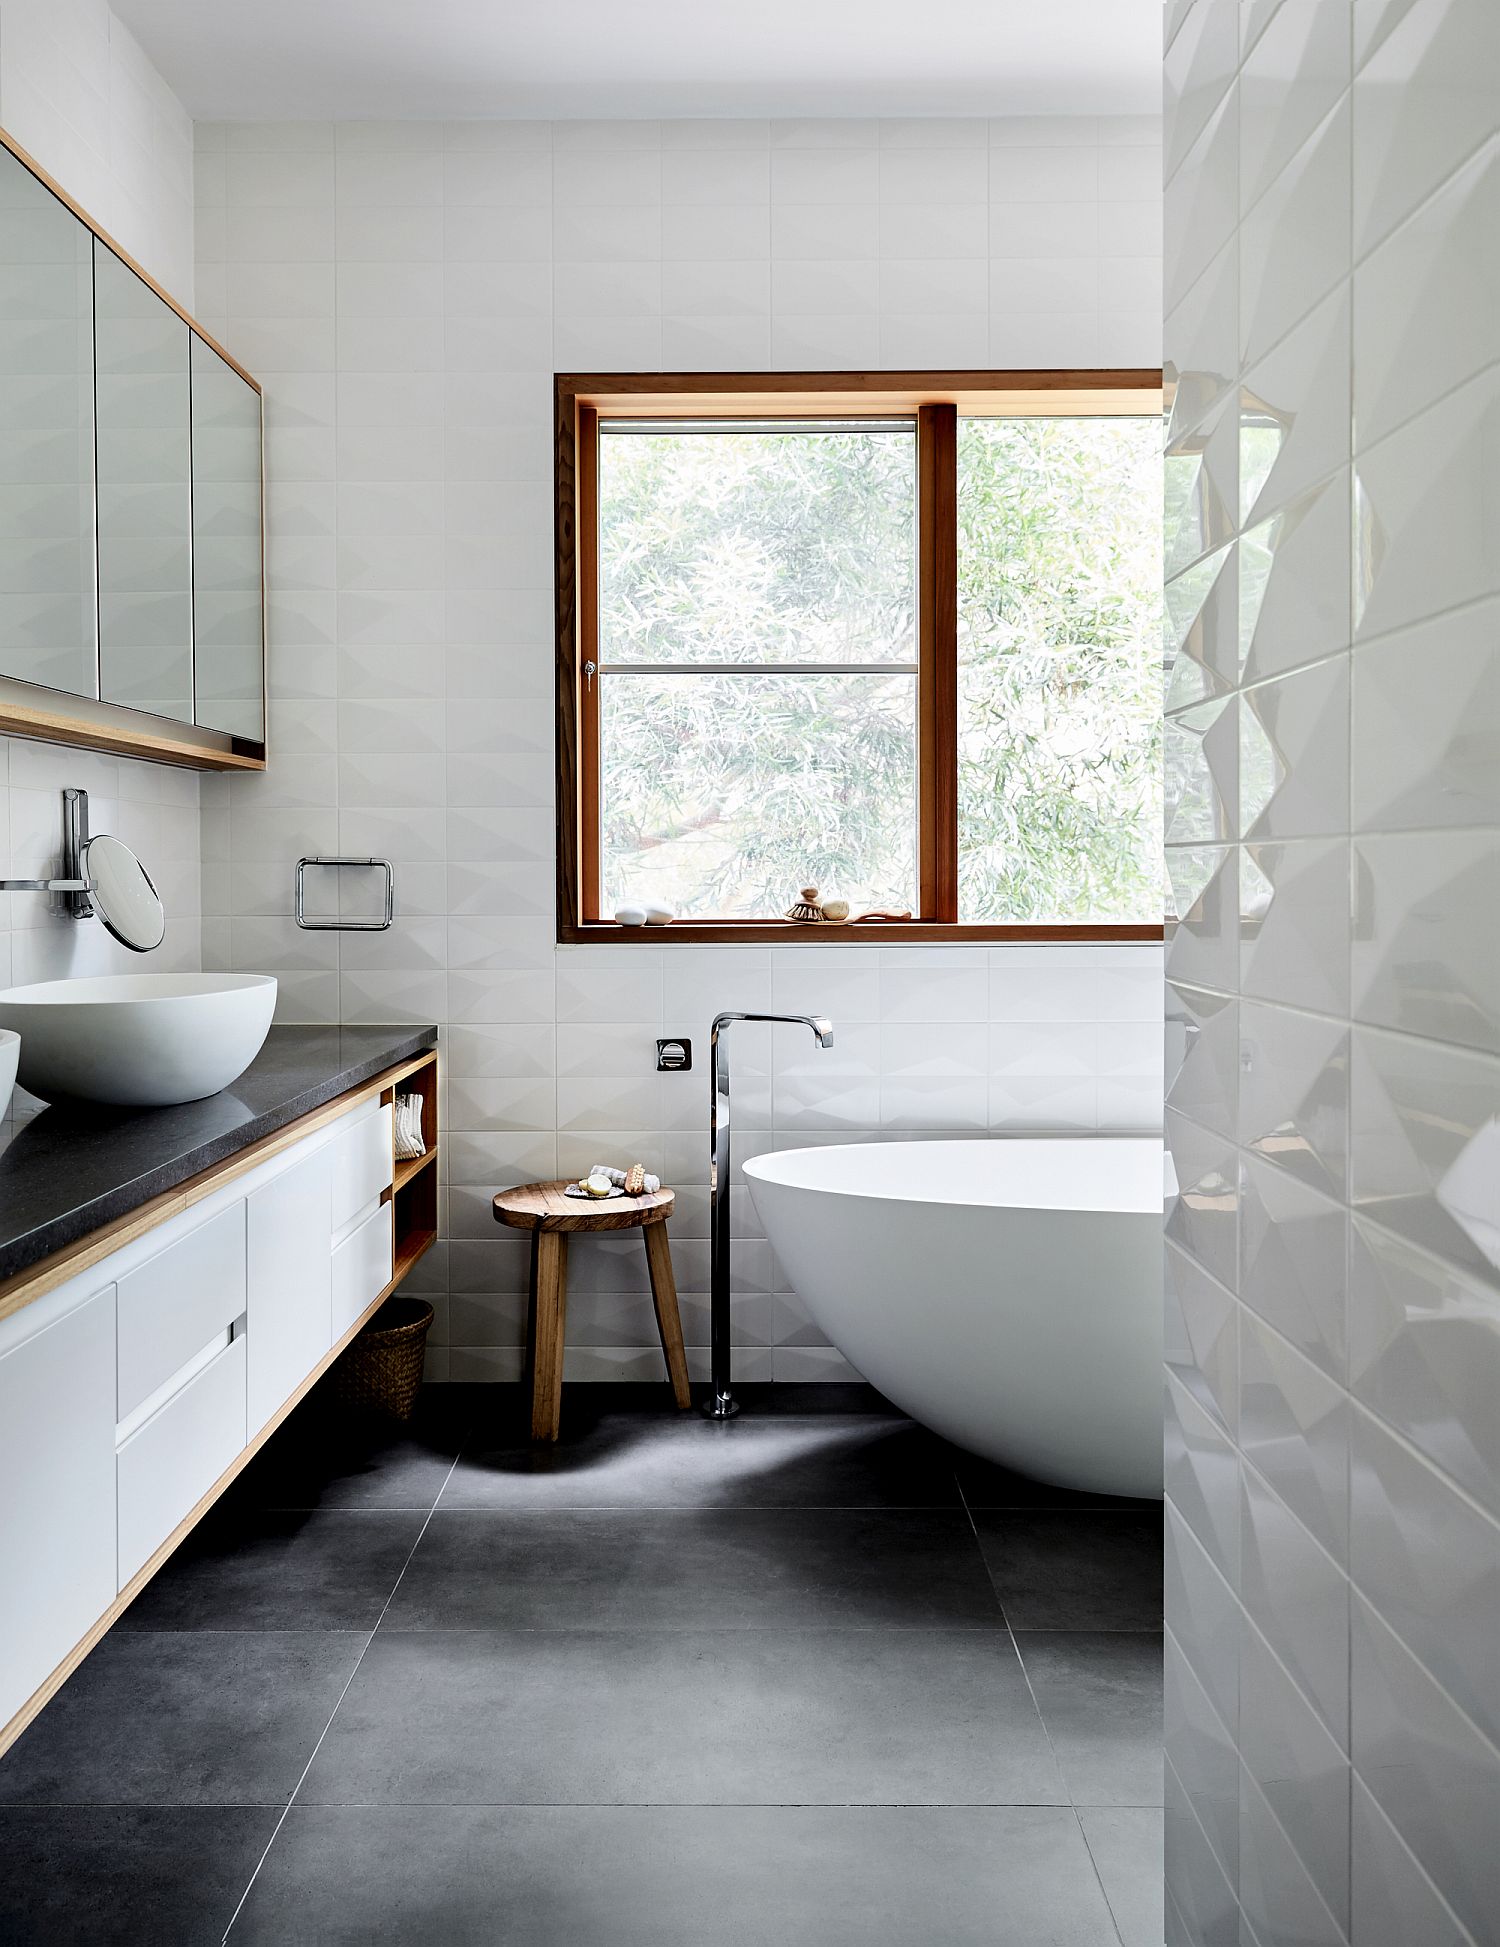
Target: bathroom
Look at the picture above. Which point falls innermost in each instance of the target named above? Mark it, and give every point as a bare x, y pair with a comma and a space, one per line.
991, 1587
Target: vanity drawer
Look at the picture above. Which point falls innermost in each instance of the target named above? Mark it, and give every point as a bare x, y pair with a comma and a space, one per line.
169, 1464
362, 1162
361, 1268
172, 1305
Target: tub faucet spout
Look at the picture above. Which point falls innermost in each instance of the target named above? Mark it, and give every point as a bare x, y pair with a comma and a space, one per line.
721, 1403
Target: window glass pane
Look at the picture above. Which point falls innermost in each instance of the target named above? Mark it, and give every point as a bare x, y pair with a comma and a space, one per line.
722, 794
757, 546
1059, 678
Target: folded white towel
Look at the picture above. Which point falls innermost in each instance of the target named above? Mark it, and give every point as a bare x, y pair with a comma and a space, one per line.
409, 1140
617, 1177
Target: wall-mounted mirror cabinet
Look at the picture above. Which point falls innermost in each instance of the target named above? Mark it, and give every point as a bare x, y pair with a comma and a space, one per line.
132, 608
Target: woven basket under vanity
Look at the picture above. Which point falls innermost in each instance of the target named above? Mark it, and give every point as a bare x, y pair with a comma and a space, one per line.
382, 1370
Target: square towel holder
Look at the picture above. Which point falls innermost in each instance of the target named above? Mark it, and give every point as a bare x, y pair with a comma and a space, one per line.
344, 925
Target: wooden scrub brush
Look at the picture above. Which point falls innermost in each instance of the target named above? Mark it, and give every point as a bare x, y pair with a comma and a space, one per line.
807, 907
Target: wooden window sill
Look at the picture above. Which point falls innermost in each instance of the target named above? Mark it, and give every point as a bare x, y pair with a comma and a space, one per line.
783, 932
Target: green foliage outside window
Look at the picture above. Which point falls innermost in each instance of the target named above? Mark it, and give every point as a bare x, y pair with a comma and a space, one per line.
723, 792
1059, 727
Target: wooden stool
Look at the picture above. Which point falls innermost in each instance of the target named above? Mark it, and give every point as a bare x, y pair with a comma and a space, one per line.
552, 1218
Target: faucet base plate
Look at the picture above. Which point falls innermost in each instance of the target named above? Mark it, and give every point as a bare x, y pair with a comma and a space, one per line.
720, 1406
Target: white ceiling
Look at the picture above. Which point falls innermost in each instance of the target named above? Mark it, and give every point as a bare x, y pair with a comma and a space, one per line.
441, 59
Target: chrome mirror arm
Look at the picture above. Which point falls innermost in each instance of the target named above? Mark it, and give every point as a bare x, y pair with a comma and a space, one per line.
73, 882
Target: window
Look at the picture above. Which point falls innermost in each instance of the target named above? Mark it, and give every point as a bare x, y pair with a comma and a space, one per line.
903, 644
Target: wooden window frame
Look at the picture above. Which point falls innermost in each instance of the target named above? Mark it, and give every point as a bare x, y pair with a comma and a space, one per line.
936, 399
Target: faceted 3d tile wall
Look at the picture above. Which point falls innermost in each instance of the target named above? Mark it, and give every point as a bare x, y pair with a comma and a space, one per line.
1333, 1105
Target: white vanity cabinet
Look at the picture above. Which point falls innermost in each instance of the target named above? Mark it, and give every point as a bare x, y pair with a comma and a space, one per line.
57, 1480
130, 1392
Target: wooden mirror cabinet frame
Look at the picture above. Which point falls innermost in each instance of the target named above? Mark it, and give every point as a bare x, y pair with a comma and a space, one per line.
61, 717
934, 400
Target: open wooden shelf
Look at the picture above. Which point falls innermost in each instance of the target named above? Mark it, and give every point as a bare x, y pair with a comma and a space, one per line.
413, 1194
406, 1170
415, 1244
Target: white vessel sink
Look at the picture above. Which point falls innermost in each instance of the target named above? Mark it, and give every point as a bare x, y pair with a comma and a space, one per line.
138, 1040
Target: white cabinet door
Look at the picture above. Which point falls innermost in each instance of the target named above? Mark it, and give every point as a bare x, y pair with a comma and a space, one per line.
168, 1464
362, 1162
287, 1311
175, 1303
57, 1463
361, 1268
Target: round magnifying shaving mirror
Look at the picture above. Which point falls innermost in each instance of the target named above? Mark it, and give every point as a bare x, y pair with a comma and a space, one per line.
123, 895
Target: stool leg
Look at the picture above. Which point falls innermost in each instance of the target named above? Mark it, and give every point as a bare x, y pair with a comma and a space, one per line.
530, 1374
664, 1297
549, 1334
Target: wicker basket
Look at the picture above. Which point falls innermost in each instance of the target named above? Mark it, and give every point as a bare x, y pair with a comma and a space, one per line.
382, 1370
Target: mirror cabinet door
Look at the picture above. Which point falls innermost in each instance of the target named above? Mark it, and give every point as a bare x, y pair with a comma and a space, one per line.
46, 438
227, 586
145, 494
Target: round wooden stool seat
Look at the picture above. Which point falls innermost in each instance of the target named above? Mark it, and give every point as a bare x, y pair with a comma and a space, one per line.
552, 1217
547, 1206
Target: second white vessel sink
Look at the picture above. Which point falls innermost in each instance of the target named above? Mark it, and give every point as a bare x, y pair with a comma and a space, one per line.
138, 1040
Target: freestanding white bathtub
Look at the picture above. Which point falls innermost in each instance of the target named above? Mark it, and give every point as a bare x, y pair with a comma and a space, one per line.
1007, 1292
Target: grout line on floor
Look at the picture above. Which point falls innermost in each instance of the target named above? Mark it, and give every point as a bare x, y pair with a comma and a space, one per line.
1041, 1718
302, 1779
1109, 1906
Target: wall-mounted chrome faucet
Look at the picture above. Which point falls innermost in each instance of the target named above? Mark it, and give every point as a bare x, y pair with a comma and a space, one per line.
721, 1403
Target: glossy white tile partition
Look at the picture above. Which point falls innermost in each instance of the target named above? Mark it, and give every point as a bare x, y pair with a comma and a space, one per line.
77, 92
1333, 1309
405, 291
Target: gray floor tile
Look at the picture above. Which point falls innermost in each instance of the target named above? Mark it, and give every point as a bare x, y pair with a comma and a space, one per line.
799, 1876
192, 1718
501, 1412
1100, 1697
728, 1568
621, 1461
796, 1400
1126, 1846
985, 1484
325, 1456
325, 1569
757, 1716
108, 1877
1079, 1569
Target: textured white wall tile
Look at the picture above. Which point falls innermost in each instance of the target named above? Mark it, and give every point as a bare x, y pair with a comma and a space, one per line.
1374, 342
466, 264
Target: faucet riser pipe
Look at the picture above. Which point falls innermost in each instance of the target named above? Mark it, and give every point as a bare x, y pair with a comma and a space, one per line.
721, 1403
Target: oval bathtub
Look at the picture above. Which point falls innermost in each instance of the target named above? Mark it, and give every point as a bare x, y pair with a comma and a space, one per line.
1007, 1292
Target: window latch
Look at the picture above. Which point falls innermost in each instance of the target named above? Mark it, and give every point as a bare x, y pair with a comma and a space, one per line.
588, 673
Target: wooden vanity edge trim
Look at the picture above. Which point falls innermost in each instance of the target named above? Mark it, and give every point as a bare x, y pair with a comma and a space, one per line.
24, 1287
57, 727
49, 1688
